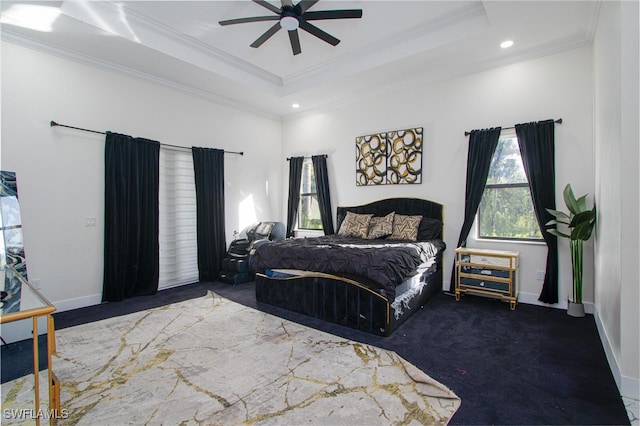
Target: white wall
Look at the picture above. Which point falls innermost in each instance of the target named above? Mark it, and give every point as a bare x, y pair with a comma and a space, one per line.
558, 86
60, 172
630, 211
617, 189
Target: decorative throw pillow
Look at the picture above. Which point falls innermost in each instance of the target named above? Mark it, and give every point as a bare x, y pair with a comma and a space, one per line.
355, 225
405, 227
381, 226
429, 229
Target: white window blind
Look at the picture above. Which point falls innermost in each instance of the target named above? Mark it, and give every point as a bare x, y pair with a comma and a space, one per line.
177, 202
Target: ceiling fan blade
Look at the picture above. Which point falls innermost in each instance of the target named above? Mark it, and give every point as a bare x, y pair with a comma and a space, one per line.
305, 5
268, 6
312, 29
267, 35
250, 19
333, 14
295, 42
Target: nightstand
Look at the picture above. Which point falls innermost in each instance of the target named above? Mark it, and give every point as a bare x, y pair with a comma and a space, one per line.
490, 273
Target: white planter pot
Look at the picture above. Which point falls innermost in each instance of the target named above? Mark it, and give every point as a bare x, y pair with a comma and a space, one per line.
575, 309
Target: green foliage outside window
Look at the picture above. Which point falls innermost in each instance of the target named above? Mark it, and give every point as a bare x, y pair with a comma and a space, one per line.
309, 210
506, 210
309, 216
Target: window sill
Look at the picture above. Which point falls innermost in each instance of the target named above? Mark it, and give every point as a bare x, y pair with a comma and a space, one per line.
499, 241
301, 233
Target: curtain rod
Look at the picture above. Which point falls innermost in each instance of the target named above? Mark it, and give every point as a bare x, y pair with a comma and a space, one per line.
558, 121
53, 123
323, 155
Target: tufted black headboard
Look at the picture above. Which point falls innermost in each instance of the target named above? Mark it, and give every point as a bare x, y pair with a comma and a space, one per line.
405, 206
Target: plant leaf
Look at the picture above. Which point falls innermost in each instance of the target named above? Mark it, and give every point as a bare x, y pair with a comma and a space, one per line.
587, 216
582, 231
556, 222
570, 199
581, 204
558, 214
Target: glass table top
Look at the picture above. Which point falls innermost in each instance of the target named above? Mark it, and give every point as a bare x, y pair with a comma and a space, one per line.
19, 298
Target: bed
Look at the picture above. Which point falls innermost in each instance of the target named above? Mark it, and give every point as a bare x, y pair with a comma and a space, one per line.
382, 265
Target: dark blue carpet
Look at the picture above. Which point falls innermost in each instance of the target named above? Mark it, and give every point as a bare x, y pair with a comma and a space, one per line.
534, 365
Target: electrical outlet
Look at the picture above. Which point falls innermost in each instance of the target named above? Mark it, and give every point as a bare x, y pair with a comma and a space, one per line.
90, 222
540, 275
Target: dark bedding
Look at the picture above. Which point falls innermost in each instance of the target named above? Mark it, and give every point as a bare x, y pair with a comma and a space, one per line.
384, 262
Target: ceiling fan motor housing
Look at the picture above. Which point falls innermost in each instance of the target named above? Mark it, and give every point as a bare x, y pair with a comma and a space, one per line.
289, 18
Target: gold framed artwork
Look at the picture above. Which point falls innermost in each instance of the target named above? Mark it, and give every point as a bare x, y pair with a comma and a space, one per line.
393, 157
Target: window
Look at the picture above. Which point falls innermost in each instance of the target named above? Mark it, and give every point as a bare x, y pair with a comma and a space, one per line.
506, 210
178, 233
309, 210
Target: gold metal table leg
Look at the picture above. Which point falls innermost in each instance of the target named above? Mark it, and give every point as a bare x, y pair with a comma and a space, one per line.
54, 383
36, 369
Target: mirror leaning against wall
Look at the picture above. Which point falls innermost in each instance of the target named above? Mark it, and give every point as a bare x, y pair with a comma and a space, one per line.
11, 243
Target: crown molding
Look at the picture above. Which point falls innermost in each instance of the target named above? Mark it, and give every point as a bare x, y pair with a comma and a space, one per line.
436, 31
595, 15
21, 40
428, 80
166, 40
6, 35
472, 17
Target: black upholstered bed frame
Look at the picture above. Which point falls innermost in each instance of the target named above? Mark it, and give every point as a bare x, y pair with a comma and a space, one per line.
343, 300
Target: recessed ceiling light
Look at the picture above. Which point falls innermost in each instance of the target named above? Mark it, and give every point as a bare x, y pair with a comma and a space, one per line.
295, 105
507, 43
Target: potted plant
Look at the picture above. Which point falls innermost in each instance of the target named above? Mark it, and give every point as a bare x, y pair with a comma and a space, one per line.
579, 223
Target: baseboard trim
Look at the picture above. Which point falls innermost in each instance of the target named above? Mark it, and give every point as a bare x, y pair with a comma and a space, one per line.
79, 302
532, 299
95, 299
628, 387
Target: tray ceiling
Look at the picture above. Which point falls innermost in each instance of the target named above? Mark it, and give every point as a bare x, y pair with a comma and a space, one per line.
395, 43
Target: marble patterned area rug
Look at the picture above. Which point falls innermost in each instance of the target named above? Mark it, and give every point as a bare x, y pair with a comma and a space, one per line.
211, 361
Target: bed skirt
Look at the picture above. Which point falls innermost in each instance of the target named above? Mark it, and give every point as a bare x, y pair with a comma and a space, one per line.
341, 300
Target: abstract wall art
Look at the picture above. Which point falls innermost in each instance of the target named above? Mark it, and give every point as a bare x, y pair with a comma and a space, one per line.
393, 157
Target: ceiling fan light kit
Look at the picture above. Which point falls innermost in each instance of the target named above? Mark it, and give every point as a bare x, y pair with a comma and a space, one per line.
291, 17
289, 23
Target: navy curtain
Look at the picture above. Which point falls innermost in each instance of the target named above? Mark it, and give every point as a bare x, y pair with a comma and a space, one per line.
322, 187
131, 224
295, 178
537, 148
208, 167
482, 144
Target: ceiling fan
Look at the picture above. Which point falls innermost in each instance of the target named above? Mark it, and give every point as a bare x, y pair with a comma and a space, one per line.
291, 17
